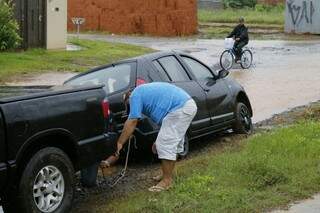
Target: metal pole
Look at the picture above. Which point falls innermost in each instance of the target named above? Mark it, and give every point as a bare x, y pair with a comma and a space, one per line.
78, 29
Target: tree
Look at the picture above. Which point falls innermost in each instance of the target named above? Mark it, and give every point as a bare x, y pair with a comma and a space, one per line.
9, 37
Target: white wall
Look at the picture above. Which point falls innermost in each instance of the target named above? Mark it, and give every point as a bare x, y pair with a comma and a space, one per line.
303, 16
56, 24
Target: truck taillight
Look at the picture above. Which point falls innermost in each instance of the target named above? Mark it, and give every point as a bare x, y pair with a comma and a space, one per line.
105, 108
140, 81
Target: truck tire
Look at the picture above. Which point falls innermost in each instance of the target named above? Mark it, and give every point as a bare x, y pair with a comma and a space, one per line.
46, 184
243, 122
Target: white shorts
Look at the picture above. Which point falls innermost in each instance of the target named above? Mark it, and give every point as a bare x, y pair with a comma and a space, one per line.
170, 140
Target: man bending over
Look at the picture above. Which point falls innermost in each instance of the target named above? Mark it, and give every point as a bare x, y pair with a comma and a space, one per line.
170, 107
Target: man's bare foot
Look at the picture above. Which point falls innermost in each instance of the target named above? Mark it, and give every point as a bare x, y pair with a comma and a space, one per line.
157, 178
165, 183
161, 186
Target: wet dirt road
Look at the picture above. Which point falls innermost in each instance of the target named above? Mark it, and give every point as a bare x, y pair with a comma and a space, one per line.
285, 74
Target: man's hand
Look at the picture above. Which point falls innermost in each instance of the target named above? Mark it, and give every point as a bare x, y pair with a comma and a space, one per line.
128, 129
109, 161
237, 39
105, 164
154, 148
119, 147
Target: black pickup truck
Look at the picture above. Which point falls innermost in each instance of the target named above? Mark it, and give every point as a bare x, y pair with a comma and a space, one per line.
45, 137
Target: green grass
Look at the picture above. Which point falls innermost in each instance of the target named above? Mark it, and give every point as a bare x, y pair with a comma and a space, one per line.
222, 32
264, 23
39, 60
215, 32
265, 171
273, 16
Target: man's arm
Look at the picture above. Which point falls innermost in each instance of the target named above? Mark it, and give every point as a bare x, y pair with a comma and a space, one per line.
232, 33
128, 129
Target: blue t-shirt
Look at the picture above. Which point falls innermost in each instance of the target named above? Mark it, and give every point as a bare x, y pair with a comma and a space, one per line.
156, 100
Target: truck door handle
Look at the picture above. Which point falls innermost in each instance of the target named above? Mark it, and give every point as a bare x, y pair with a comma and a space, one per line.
207, 90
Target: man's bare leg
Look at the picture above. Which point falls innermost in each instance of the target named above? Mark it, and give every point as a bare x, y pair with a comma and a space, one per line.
167, 167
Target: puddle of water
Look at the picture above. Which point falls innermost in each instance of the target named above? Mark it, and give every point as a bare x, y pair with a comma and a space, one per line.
192, 50
72, 47
310, 206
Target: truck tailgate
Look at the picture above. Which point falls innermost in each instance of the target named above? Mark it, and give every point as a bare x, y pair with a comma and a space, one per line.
10, 91
3, 165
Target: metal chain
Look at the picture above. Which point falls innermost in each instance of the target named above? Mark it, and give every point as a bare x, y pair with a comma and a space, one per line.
121, 175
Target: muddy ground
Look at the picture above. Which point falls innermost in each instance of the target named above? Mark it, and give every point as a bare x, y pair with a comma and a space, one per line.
139, 174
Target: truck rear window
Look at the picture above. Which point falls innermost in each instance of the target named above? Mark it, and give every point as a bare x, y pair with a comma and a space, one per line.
114, 78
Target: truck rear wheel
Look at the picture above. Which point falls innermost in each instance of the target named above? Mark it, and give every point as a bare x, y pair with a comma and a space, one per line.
46, 184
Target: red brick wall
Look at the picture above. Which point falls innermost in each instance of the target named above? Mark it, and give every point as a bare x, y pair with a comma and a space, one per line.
154, 17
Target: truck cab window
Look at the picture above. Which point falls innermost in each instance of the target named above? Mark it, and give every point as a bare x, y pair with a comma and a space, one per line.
115, 78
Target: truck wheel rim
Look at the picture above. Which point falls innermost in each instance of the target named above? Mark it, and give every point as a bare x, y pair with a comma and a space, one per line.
48, 189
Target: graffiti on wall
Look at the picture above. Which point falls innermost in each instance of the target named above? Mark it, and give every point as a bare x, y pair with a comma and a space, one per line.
301, 11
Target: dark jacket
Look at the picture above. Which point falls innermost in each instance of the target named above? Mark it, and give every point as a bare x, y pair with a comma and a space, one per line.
240, 31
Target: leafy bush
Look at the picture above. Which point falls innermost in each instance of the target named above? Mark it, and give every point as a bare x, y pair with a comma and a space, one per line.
269, 8
9, 37
239, 3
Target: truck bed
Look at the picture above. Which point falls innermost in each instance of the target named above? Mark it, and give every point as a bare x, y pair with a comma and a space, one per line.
19, 93
11, 91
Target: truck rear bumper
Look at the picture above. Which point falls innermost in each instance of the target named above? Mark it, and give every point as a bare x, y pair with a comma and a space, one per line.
3, 176
96, 149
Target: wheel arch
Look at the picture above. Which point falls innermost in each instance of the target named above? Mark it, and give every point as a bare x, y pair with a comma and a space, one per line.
58, 138
243, 98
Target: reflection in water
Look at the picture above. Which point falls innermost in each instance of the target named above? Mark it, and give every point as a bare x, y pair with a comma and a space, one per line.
283, 75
